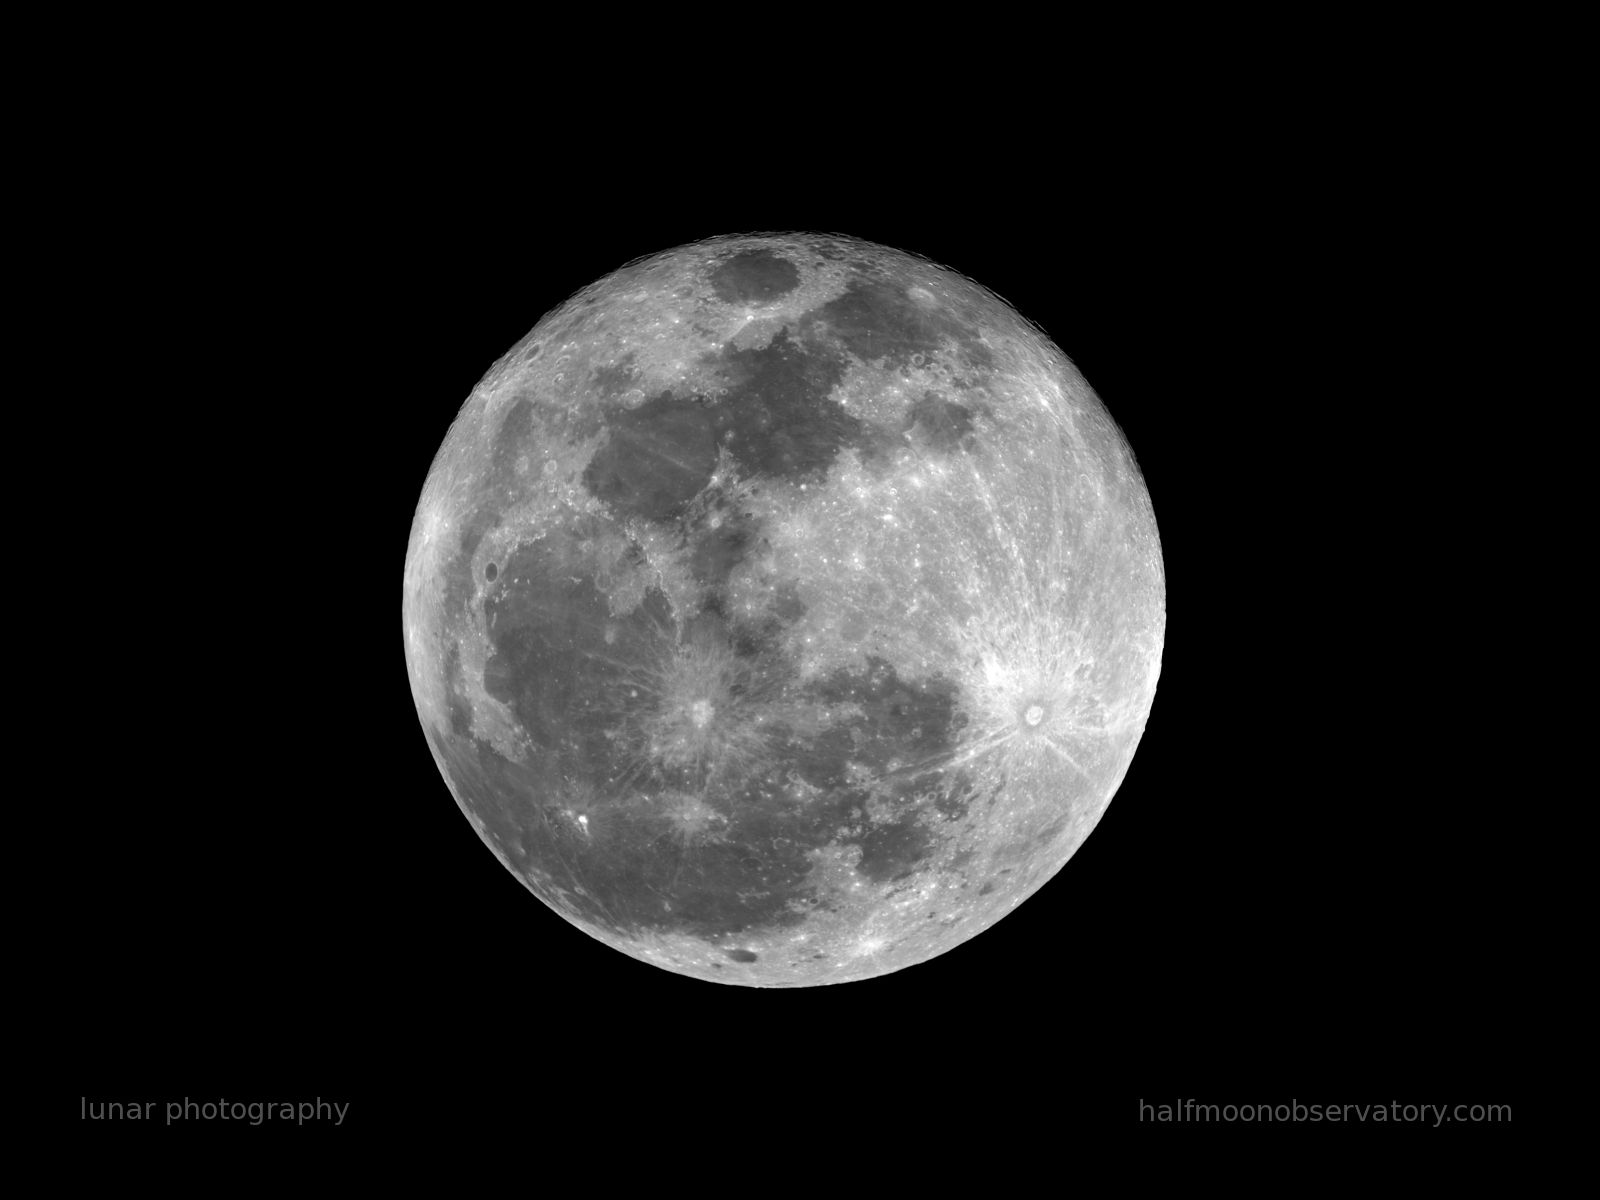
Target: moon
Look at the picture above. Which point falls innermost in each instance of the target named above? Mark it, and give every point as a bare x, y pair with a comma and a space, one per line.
783, 610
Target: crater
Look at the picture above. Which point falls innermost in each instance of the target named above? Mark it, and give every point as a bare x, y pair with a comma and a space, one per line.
754, 276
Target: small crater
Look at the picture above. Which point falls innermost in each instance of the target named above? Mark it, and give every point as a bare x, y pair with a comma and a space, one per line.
986, 889
742, 956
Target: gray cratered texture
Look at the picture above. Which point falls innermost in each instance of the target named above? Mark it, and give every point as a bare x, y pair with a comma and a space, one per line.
784, 610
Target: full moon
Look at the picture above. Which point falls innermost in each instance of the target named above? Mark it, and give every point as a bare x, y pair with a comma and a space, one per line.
783, 610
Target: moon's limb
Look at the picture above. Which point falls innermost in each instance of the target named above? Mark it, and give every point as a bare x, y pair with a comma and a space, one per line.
784, 610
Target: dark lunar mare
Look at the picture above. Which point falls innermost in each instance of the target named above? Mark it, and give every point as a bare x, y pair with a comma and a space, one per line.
775, 413
946, 425
657, 458
570, 670
630, 870
875, 320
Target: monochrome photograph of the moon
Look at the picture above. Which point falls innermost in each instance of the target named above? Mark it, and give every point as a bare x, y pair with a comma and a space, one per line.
784, 609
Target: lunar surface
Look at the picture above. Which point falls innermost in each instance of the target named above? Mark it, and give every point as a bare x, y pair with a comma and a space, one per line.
783, 610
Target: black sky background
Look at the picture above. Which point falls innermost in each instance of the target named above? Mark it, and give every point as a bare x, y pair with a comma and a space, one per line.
1283, 901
